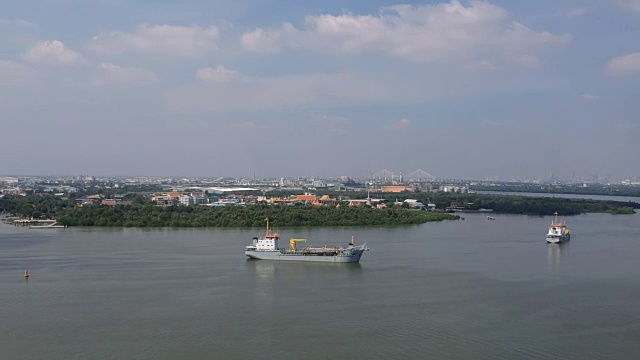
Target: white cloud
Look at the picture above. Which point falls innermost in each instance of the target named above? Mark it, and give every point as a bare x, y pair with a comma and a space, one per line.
111, 74
52, 52
260, 40
418, 33
577, 12
13, 73
589, 97
187, 41
396, 125
270, 40
333, 90
624, 65
402, 123
633, 5
15, 23
217, 74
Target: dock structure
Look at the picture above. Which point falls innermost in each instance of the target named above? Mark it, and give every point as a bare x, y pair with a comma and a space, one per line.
48, 226
37, 223
30, 221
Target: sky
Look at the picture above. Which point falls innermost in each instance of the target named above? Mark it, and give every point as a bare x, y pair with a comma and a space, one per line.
461, 89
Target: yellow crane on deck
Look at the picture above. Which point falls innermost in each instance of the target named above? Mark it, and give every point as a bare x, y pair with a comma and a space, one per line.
293, 242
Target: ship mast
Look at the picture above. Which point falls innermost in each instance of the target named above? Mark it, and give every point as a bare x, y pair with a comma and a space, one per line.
268, 231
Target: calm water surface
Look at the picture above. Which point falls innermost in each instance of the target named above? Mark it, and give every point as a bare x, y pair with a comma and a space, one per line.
472, 289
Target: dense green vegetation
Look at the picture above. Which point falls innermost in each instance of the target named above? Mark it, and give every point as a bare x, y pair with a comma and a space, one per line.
142, 213
592, 189
243, 216
37, 206
510, 204
625, 210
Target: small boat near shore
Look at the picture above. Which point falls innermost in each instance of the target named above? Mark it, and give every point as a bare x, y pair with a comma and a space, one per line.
558, 232
490, 218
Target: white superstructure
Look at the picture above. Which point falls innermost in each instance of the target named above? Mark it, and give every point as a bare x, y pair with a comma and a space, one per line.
558, 232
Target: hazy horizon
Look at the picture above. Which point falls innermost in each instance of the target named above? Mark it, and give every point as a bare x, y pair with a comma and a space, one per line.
377, 175
461, 89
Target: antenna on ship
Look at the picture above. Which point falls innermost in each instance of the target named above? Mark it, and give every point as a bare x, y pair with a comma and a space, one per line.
267, 220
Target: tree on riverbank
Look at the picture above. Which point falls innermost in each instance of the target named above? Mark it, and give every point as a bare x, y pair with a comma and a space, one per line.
592, 189
143, 213
622, 211
510, 204
243, 216
34, 206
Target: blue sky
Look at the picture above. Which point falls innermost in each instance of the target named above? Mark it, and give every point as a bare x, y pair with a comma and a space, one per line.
465, 89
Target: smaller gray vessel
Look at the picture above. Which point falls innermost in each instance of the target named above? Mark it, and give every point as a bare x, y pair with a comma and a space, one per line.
558, 232
266, 248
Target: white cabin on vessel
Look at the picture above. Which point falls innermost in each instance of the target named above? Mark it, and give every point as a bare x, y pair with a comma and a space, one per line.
558, 232
267, 242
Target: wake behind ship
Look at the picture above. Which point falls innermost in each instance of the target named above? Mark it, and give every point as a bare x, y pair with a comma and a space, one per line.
266, 248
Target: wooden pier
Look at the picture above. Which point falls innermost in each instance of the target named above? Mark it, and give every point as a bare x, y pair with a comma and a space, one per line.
36, 223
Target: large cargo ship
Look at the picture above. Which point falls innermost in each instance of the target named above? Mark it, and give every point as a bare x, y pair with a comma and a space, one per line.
266, 248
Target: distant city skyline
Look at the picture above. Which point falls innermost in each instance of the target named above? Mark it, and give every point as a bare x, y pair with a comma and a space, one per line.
405, 177
461, 89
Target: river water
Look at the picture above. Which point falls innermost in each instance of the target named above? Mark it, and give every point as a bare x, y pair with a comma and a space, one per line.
469, 289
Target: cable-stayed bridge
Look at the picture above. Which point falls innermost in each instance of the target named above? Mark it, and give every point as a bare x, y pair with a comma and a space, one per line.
418, 175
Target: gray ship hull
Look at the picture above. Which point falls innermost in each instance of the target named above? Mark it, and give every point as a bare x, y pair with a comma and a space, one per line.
355, 256
558, 239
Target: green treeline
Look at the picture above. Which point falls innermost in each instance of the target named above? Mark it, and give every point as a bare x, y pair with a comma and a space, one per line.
243, 216
513, 204
544, 206
592, 189
625, 210
143, 213
35, 206
510, 204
